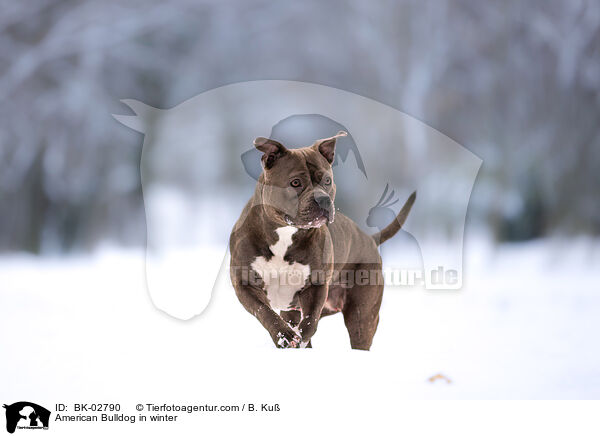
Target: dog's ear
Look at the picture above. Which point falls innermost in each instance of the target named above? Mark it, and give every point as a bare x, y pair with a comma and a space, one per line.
272, 150
327, 146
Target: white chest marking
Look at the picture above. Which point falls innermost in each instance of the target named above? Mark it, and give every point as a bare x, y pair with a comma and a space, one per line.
281, 279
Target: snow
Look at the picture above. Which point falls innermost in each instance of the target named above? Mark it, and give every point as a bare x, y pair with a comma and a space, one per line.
524, 326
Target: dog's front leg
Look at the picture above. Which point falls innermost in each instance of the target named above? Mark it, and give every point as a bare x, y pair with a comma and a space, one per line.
311, 300
256, 303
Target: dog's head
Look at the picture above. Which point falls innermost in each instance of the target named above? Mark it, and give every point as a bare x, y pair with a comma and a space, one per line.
297, 184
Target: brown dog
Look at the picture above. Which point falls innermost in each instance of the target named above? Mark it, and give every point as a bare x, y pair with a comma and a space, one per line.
290, 251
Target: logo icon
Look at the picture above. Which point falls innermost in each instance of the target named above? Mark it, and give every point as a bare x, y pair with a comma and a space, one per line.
26, 415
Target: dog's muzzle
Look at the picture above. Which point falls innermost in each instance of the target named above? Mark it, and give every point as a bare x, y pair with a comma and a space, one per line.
321, 212
325, 205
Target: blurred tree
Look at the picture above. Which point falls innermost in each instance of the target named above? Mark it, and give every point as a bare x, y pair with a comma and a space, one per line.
516, 82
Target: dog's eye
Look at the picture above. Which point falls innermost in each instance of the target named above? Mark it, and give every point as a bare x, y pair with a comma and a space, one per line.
327, 181
296, 183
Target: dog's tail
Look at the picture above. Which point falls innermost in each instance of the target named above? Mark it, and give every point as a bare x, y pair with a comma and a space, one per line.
392, 229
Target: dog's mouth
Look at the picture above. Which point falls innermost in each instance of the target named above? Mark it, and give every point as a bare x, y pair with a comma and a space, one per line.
323, 217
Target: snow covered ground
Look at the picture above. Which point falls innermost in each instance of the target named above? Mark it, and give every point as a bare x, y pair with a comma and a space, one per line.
525, 326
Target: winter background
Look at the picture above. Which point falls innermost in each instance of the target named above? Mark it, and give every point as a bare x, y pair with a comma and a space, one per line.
516, 83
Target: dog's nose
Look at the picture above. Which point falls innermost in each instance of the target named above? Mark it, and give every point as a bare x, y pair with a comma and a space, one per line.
323, 200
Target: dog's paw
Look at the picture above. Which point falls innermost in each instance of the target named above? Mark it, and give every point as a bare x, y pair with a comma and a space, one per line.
287, 339
307, 328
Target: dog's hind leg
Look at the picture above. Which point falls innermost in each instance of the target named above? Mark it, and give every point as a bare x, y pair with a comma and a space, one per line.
361, 314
